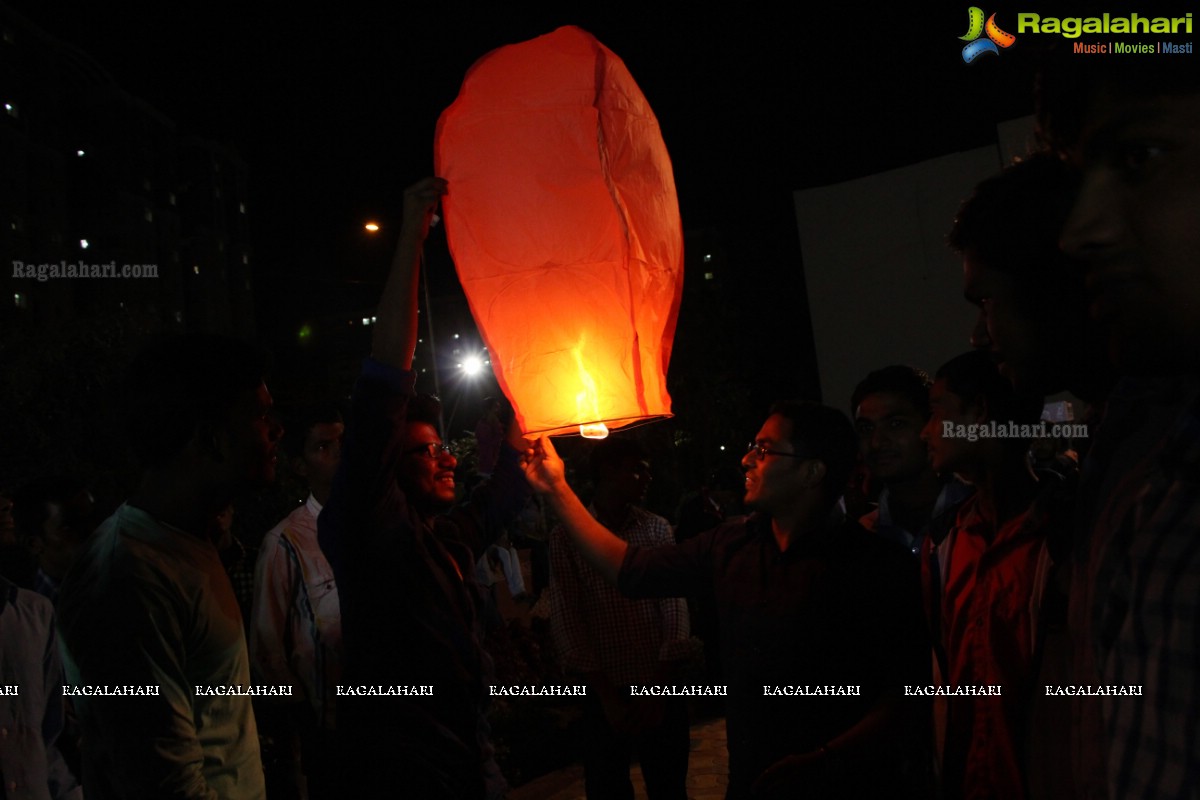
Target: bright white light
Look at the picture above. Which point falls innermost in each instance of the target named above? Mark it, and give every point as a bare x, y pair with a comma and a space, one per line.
83, 243
366, 320
456, 336
472, 365
79, 153
722, 447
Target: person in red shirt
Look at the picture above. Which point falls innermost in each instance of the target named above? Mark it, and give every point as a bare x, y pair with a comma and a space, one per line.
984, 581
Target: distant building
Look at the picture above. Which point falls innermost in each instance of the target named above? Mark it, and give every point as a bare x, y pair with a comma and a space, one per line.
91, 177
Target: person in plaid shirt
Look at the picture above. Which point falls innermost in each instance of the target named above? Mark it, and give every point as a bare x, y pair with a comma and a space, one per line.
617, 641
1134, 136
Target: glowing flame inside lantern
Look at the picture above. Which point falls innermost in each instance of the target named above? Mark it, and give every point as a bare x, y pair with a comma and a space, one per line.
587, 403
594, 430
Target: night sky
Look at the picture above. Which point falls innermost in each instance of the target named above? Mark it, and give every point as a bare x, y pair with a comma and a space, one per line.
334, 112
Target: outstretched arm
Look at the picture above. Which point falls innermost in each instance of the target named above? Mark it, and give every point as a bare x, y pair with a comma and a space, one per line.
395, 336
545, 473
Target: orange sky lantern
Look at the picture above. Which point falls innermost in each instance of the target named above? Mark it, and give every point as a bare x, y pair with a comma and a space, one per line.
564, 227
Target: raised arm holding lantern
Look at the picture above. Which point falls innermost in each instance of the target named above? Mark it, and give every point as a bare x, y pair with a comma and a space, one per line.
404, 559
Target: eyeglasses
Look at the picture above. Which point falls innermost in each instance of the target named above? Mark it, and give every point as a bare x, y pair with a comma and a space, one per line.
432, 450
761, 451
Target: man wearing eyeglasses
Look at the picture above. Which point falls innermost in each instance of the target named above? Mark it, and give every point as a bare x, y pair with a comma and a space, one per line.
411, 712
820, 621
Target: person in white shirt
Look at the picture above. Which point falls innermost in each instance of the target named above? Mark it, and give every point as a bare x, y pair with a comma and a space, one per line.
296, 628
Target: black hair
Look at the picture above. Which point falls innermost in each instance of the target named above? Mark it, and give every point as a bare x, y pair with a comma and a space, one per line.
426, 408
297, 425
610, 453
974, 376
825, 434
1013, 221
911, 383
182, 384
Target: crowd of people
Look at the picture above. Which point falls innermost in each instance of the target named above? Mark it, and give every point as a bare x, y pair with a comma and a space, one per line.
932, 597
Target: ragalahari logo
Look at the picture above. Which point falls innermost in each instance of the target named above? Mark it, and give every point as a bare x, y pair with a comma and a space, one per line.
976, 27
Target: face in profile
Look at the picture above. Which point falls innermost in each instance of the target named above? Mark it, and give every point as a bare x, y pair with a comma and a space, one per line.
253, 439
425, 470
1014, 340
947, 453
1136, 225
889, 436
772, 478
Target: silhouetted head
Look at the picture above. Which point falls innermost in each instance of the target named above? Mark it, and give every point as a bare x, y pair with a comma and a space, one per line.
203, 395
1133, 133
1032, 307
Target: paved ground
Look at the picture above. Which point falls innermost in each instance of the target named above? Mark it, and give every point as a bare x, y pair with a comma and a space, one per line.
708, 771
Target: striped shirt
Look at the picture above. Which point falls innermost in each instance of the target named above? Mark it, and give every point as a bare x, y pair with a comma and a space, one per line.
296, 630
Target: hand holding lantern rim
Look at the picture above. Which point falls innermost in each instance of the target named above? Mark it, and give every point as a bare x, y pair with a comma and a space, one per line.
547, 476
544, 468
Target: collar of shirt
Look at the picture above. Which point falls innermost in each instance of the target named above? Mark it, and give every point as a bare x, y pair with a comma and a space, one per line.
313, 506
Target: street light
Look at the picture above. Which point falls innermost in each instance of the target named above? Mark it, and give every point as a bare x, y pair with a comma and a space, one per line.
471, 367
